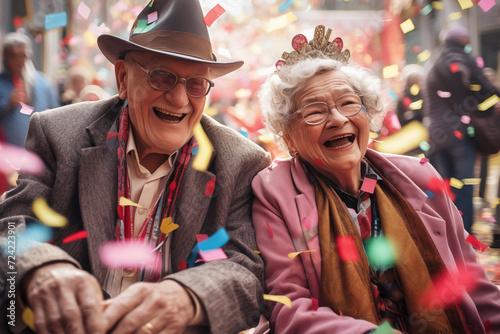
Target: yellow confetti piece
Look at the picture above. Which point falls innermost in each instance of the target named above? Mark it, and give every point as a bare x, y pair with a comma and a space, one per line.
475, 88
414, 89
280, 299
167, 225
416, 105
455, 183
465, 4
126, 202
454, 16
471, 181
46, 215
421, 155
488, 103
280, 21
373, 135
211, 111
424, 55
437, 5
205, 149
390, 71
294, 254
29, 318
494, 203
407, 26
256, 252
266, 138
408, 138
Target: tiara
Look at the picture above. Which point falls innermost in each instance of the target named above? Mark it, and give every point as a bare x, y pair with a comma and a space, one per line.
332, 50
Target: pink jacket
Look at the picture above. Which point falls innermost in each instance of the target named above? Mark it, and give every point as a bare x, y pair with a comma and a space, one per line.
285, 200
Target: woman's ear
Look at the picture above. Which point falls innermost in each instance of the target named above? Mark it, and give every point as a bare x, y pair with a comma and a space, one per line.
121, 77
289, 141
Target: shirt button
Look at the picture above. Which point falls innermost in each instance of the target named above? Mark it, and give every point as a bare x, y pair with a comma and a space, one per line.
141, 211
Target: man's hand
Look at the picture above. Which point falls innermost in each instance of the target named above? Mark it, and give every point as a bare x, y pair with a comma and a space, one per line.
17, 96
150, 308
64, 299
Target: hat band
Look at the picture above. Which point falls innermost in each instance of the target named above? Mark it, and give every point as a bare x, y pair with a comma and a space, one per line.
175, 42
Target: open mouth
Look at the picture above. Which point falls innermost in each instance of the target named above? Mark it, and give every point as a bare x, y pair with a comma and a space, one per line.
168, 117
340, 141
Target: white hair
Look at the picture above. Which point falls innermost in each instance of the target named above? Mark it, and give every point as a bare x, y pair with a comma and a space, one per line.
278, 91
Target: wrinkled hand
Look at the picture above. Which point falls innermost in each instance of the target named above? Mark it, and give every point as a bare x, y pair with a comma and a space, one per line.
17, 96
64, 299
149, 308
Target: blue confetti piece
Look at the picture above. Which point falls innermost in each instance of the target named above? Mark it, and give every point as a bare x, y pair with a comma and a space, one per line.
285, 6
194, 150
25, 240
56, 20
192, 257
426, 10
393, 95
217, 240
363, 108
430, 194
244, 132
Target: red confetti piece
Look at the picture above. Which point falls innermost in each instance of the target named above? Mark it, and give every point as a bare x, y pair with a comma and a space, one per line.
454, 67
17, 21
346, 247
368, 185
298, 41
339, 42
416, 49
476, 243
213, 15
307, 223
487, 326
209, 190
314, 303
318, 162
183, 265
436, 185
406, 101
76, 236
458, 134
269, 228
201, 237
111, 135
423, 161
460, 212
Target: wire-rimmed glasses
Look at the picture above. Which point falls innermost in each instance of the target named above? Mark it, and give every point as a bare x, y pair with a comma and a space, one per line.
317, 112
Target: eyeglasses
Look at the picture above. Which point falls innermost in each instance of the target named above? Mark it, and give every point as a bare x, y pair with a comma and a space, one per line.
165, 81
317, 112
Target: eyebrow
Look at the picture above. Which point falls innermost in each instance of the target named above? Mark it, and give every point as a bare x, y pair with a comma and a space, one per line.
317, 99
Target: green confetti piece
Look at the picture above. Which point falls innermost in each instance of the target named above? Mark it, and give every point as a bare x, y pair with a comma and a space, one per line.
468, 48
379, 253
470, 131
384, 328
149, 27
425, 146
426, 10
141, 24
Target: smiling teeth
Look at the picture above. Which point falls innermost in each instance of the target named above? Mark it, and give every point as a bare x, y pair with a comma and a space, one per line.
169, 113
340, 137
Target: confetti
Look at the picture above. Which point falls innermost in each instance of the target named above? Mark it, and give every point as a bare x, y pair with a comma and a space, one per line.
416, 49
368, 185
407, 26
475, 88
307, 223
416, 105
280, 21
152, 17
464, 4
126, 202
414, 89
76, 236
26, 109
33, 234
285, 6
429, 194
465, 119
424, 146
314, 304
182, 265
408, 138
18, 21
379, 253
202, 159
455, 183
423, 161
454, 16
437, 5
384, 328
454, 67
488, 103
46, 215
437, 185
256, 251
111, 135
56, 20
38, 38
126, 254
476, 243
487, 326
294, 254
209, 189
269, 229
280, 299
443, 95
458, 134
29, 318
318, 162
346, 248
213, 15
486, 4
426, 10
83, 10
424, 55
143, 26
217, 240
471, 181
470, 131
480, 62
167, 225
390, 71
468, 48
495, 203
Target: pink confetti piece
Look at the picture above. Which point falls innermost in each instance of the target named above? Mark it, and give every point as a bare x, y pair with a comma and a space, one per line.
486, 6
98, 30
213, 15
38, 38
465, 119
346, 248
269, 228
318, 162
124, 254
209, 190
443, 94
314, 304
368, 185
19, 159
83, 10
423, 161
26, 109
152, 17
476, 243
212, 255
492, 219
76, 236
307, 223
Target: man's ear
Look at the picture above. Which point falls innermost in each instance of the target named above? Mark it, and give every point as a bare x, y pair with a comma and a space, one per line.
121, 76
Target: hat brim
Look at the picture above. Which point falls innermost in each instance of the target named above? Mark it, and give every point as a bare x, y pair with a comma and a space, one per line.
115, 48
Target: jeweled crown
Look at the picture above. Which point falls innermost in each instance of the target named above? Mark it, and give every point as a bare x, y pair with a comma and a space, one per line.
332, 50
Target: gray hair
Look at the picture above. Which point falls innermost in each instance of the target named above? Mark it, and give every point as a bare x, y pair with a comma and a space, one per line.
14, 39
278, 91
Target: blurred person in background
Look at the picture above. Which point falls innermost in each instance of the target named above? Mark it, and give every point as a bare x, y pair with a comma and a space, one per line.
410, 104
93, 93
451, 72
20, 83
78, 77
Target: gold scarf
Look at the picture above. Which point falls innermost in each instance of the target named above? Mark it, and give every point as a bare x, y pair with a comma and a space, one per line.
346, 285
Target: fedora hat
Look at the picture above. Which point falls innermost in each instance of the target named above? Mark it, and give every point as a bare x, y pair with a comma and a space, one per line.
173, 28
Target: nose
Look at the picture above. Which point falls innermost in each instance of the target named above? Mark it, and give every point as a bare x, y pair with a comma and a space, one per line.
335, 118
177, 96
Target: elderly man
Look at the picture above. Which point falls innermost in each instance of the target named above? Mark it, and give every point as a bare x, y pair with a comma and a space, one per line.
138, 145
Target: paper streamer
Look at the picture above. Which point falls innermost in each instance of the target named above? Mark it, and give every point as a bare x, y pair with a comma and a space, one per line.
280, 299
202, 159
46, 215
294, 254
126, 254
126, 202
213, 15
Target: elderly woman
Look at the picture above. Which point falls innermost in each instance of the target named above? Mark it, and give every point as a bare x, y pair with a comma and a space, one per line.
343, 206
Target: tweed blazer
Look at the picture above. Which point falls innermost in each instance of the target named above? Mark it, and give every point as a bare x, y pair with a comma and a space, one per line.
285, 201
80, 182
